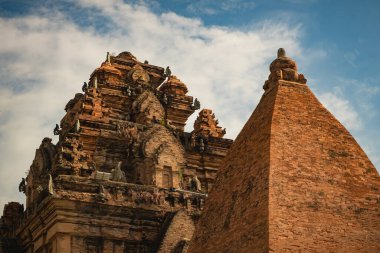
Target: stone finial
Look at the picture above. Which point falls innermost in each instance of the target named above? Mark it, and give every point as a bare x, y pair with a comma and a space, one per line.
108, 57
281, 53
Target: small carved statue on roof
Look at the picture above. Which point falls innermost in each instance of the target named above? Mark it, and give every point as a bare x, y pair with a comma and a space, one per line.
51, 185
101, 195
168, 72
84, 87
201, 145
165, 99
77, 126
196, 105
56, 130
108, 57
146, 62
196, 184
117, 174
192, 140
22, 186
128, 91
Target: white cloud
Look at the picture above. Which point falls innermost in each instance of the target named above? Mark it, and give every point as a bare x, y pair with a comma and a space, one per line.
208, 7
45, 58
342, 110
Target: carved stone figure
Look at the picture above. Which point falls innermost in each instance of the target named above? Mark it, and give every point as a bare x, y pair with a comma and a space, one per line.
192, 140
95, 82
56, 130
196, 184
108, 57
165, 99
77, 126
168, 72
201, 145
117, 174
196, 105
128, 91
50, 185
22, 186
101, 195
84, 87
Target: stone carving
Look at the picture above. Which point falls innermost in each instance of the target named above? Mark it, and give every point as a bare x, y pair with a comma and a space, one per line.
196, 105
73, 101
108, 58
146, 107
165, 99
95, 82
117, 174
84, 87
22, 186
56, 130
128, 131
159, 151
283, 68
101, 196
201, 145
196, 184
50, 185
168, 72
206, 125
77, 126
138, 74
281, 53
128, 91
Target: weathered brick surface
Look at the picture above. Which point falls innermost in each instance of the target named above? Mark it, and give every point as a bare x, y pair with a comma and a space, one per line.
323, 191
294, 180
235, 218
181, 230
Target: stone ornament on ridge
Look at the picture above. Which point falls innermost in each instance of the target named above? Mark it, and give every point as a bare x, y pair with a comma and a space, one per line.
138, 74
283, 68
281, 53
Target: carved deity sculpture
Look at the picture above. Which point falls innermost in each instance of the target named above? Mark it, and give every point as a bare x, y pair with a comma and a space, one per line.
196, 184
117, 174
22, 186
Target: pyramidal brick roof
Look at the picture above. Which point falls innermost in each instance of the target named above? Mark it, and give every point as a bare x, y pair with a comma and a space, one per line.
295, 180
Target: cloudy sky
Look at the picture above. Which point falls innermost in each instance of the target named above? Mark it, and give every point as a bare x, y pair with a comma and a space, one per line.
220, 49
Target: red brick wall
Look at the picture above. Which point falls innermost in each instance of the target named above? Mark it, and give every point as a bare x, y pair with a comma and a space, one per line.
324, 191
235, 218
294, 180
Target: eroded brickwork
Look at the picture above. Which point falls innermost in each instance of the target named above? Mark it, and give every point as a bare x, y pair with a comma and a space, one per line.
324, 191
295, 180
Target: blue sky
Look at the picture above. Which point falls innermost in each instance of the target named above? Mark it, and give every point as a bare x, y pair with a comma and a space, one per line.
220, 49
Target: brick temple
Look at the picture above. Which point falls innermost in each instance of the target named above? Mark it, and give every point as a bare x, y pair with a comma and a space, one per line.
126, 177
294, 180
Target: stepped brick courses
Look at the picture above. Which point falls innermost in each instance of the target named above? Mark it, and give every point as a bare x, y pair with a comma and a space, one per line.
294, 180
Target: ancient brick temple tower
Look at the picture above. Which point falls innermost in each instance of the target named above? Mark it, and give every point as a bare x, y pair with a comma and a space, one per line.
124, 175
294, 180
